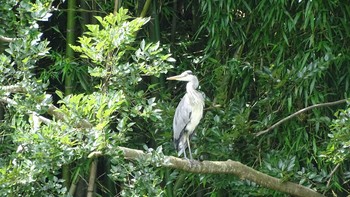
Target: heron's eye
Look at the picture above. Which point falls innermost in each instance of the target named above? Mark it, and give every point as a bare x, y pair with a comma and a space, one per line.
189, 72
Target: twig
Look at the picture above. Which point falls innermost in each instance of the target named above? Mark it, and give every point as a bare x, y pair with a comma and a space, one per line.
330, 176
299, 112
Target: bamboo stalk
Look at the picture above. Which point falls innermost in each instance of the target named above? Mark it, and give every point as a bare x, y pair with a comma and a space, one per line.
145, 8
70, 40
68, 81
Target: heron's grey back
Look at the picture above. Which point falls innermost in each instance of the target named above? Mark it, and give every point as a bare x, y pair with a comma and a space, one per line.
182, 117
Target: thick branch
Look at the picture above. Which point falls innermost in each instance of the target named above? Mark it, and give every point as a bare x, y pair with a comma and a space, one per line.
229, 167
299, 112
92, 178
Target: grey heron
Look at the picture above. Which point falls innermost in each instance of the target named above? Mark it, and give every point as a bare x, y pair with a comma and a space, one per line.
188, 113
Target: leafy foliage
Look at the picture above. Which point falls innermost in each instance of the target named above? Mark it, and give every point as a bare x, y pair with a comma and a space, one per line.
269, 59
140, 177
83, 122
110, 50
337, 150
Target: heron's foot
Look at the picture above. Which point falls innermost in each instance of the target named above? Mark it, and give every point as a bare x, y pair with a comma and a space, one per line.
193, 162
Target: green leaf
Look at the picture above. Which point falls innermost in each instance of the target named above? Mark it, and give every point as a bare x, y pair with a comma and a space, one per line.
59, 94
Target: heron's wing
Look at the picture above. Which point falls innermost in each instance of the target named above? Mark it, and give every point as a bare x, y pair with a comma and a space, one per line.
182, 117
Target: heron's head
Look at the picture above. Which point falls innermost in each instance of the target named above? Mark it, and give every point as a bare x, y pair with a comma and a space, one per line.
185, 76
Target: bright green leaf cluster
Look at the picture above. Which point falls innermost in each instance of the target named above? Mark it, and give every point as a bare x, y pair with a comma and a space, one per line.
117, 60
338, 147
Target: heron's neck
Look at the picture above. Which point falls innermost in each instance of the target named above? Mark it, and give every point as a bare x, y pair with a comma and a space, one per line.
194, 95
192, 85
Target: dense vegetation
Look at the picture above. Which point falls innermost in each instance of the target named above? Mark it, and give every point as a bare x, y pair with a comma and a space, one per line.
78, 79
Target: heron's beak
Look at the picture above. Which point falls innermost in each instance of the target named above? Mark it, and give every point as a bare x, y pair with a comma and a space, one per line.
177, 77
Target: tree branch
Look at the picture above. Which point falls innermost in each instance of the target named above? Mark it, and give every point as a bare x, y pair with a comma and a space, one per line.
6, 39
12, 88
91, 185
299, 112
52, 110
228, 167
8, 101
331, 175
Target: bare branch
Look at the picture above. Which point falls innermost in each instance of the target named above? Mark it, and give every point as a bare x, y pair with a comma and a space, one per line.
92, 178
54, 111
228, 167
7, 39
8, 101
12, 88
331, 175
12, 102
299, 112
42, 118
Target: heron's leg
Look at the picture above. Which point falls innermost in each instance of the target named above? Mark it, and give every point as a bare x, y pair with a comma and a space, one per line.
189, 148
185, 154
